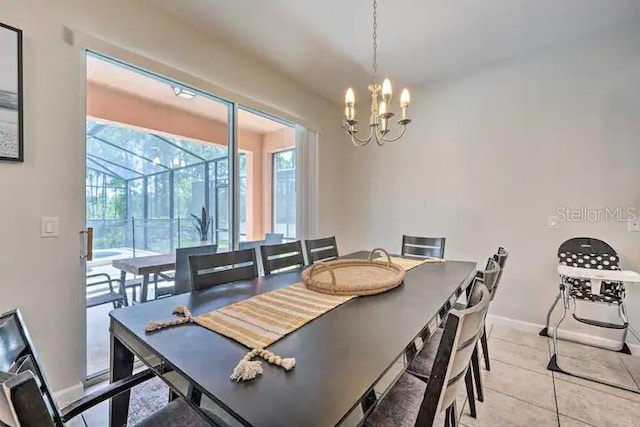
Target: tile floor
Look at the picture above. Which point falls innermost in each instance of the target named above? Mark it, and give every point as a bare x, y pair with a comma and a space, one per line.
521, 392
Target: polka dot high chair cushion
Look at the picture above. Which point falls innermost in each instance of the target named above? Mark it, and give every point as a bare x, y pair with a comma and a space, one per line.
610, 292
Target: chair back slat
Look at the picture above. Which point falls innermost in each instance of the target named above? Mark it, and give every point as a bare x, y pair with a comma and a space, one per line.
276, 258
457, 344
216, 269
501, 258
30, 395
325, 249
423, 247
490, 275
182, 278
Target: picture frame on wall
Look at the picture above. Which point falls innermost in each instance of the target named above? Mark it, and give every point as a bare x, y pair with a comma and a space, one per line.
11, 108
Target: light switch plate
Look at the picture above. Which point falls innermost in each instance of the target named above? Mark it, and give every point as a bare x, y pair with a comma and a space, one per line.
49, 226
553, 223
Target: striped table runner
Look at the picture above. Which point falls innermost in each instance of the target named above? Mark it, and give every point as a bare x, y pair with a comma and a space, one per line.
261, 320
408, 263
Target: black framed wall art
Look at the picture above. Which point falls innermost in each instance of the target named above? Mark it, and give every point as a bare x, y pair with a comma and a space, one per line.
11, 108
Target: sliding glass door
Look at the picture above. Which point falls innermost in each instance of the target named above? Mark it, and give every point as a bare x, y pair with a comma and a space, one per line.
162, 160
157, 156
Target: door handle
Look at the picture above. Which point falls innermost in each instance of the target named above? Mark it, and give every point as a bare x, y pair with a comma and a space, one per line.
89, 243
86, 237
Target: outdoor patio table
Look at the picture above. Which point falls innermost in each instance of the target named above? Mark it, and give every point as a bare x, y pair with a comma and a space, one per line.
344, 358
145, 266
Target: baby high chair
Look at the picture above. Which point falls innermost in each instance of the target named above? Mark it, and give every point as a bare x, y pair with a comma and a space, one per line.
589, 272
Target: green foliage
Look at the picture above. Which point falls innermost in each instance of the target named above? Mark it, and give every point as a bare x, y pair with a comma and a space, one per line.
202, 224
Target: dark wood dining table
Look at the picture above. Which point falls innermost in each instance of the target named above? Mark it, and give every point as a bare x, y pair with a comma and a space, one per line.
342, 356
145, 266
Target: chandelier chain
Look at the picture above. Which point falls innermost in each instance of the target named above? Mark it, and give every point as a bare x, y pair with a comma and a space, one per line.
375, 39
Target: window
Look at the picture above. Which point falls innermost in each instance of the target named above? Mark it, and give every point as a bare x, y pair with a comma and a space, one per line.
284, 193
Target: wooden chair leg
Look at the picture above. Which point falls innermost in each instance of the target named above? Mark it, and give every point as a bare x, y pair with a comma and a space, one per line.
468, 379
485, 349
475, 364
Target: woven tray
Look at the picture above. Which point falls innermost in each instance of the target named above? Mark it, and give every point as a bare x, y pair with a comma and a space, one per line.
354, 276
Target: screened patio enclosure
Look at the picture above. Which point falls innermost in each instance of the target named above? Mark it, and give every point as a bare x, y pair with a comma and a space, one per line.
142, 187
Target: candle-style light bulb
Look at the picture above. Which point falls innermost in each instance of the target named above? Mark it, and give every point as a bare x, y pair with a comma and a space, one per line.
386, 89
350, 98
405, 98
383, 108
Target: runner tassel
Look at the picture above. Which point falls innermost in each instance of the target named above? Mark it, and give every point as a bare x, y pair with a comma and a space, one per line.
180, 310
248, 369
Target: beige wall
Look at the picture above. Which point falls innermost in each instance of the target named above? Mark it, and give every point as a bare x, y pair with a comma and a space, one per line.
43, 277
492, 154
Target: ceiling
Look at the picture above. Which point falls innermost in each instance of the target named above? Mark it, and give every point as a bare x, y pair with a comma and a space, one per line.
142, 85
326, 44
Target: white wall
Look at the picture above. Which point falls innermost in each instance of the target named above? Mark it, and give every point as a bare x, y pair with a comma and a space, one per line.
491, 154
43, 276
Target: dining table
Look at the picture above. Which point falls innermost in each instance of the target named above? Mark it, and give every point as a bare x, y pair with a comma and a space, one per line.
346, 359
145, 266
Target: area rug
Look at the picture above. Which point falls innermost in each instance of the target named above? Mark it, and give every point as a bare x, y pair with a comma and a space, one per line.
146, 399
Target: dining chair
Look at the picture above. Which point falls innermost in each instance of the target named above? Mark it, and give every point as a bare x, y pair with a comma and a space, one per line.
277, 258
27, 398
500, 258
415, 402
217, 269
181, 277
420, 366
273, 238
423, 247
325, 249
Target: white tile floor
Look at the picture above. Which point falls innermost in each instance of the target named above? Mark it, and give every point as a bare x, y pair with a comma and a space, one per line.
520, 391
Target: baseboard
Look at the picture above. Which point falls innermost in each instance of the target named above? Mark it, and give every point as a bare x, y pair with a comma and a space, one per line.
70, 394
567, 334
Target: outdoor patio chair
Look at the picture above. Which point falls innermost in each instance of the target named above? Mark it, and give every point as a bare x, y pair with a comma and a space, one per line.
27, 400
99, 295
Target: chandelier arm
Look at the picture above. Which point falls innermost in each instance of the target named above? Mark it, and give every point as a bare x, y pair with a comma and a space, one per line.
362, 142
404, 128
359, 143
379, 136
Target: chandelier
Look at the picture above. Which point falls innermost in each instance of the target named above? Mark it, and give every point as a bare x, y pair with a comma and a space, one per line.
380, 104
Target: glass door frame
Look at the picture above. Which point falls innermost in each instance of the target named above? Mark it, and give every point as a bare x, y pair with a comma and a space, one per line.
233, 153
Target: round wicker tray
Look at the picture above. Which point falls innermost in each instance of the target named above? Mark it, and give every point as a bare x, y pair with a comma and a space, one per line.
354, 276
